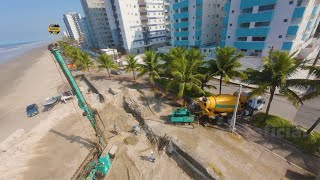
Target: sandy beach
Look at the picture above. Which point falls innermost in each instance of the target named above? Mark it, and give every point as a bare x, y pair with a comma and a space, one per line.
29, 78
28, 144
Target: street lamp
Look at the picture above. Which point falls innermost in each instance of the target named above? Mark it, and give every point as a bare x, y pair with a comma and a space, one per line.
234, 117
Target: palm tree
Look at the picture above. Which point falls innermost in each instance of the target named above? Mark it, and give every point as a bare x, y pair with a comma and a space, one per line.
84, 61
225, 64
151, 66
313, 87
278, 67
131, 65
174, 53
208, 75
106, 62
73, 54
184, 70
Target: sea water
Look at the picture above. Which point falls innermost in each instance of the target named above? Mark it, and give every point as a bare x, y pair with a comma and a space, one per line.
10, 51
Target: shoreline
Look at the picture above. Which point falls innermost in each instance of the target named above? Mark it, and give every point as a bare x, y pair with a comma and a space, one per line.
29, 78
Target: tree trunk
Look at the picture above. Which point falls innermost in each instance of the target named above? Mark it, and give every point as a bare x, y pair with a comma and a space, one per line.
313, 126
272, 90
109, 73
220, 84
134, 75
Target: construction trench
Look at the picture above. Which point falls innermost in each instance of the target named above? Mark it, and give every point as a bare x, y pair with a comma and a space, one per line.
118, 102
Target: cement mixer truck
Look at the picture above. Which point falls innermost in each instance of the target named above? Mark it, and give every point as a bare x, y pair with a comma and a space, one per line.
220, 107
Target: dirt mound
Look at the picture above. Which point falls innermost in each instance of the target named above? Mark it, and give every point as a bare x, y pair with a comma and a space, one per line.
131, 140
136, 103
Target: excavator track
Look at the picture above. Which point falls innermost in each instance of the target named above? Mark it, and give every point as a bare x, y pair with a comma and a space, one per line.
81, 171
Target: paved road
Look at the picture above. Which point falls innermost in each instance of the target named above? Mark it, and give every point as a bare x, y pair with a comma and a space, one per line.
304, 115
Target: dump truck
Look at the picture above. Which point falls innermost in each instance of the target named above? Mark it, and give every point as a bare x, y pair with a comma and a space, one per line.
221, 106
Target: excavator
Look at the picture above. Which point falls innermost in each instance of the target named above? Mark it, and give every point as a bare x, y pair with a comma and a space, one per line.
91, 169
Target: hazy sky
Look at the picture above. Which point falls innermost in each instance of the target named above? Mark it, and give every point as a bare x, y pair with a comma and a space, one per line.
28, 20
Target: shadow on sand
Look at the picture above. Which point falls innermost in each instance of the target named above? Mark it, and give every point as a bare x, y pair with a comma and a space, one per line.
78, 139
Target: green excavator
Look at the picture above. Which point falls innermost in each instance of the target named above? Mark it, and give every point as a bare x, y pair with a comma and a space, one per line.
94, 169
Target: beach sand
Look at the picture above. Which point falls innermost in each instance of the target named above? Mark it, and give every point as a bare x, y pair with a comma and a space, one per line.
29, 78
50, 145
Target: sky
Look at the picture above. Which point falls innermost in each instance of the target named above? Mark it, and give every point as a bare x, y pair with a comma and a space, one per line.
28, 20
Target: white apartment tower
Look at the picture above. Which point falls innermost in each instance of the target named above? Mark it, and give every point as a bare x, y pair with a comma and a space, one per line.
137, 25
195, 23
98, 24
258, 26
72, 20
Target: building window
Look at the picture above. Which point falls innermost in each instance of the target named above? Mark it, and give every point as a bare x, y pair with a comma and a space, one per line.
247, 10
228, 37
244, 50
242, 38
258, 38
184, 38
266, 8
232, 11
291, 2
299, 3
262, 24
245, 25
230, 25
285, 20
280, 36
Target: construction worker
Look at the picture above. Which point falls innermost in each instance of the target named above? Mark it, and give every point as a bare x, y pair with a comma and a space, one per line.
152, 157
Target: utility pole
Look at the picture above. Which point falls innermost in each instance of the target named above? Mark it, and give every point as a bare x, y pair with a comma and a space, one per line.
234, 117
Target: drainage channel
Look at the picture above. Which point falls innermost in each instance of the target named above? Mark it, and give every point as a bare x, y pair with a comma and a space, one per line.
186, 160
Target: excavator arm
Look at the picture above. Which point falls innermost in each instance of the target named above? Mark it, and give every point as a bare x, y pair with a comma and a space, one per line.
87, 110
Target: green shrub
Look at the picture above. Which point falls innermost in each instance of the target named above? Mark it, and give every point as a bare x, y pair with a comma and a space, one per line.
286, 130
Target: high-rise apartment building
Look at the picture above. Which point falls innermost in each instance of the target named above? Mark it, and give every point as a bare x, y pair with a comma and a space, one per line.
88, 41
194, 23
98, 23
72, 21
257, 27
137, 25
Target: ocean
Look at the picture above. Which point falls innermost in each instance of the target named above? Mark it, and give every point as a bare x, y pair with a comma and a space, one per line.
10, 51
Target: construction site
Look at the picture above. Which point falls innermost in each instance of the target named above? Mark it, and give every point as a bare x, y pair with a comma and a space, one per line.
141, 142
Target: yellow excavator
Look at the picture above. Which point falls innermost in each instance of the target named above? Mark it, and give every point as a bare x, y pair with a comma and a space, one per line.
221, 107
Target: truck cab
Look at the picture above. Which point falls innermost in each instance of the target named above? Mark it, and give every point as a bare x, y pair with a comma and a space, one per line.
256, 103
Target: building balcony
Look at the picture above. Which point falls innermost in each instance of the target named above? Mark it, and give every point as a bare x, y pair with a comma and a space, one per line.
198, 33
261, 16
181, 25
243, 32
197, 43
181, 34
296, 21
251, 3
298, 12
181, 43
290, 38
199, 1
292, 30
227, 8
181, 15
249, 45
286, 46
181, 4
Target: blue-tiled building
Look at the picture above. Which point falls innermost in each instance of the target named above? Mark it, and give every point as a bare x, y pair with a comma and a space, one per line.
193, 23
257, 26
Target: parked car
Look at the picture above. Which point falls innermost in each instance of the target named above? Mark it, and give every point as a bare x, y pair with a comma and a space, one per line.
32, 110
116, 72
